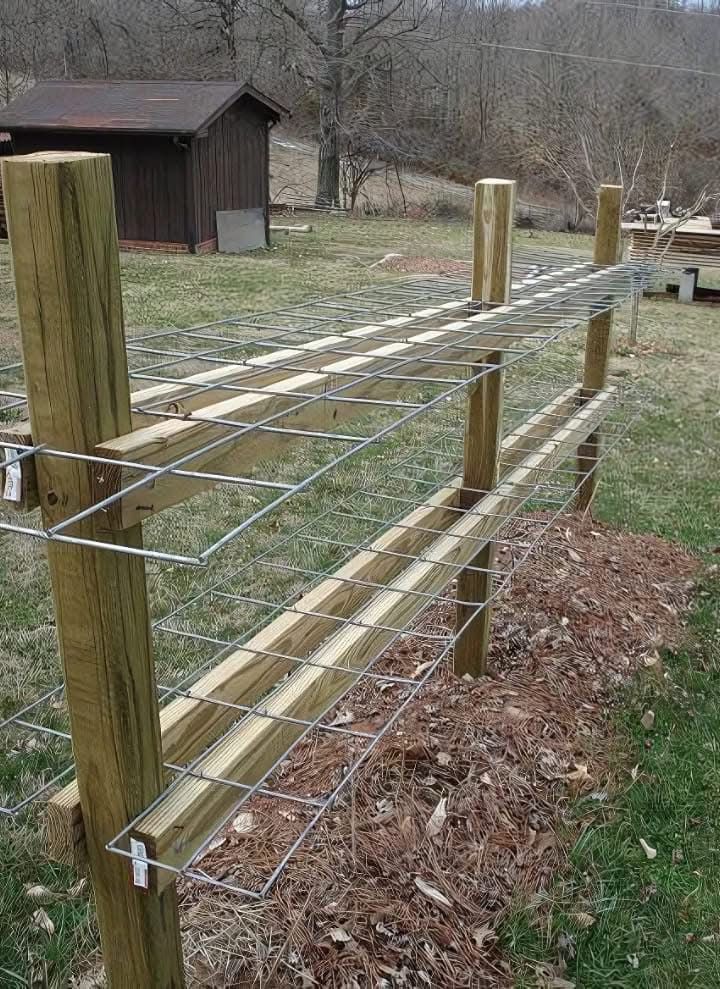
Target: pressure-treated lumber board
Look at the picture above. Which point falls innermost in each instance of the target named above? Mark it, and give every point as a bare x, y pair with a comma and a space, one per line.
181, 396
184, 394
163, 443
189, 723
492, 276
63, 238
608, 234
190, 811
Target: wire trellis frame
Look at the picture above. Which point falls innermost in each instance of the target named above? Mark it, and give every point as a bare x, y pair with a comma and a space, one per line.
520, 530
431, 365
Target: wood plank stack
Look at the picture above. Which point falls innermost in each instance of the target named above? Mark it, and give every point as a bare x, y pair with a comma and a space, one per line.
695, 243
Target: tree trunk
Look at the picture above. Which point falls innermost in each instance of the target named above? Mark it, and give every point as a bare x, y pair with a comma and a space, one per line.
331, 85
328, 178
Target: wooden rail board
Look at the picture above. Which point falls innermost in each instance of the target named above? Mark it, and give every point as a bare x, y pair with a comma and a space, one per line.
194, 808
184, 395
189, 723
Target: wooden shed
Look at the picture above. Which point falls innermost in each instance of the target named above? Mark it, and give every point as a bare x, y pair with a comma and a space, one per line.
181, 151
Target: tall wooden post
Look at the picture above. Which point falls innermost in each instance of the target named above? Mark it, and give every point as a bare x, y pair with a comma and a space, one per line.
597, 347
61, 221
491, 281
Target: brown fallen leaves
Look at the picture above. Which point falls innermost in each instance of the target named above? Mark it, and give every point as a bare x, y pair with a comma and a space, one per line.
456, 812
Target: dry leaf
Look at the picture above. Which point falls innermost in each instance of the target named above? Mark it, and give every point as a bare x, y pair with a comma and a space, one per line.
432, 892
437, 818
580, 774
244, 822
648, 849
78, 887
583, 919
42, 922
648, 720
385, 810
342, 718
483, 934
216, 843
40, 894
574, 556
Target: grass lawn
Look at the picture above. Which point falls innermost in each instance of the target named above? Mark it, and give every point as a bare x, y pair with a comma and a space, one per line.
619, 918
663, 478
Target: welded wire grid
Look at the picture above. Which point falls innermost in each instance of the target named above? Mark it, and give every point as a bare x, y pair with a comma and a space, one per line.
388, 679
378, 358
196, 634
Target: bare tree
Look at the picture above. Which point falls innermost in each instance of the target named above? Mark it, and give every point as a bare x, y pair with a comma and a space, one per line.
343, 45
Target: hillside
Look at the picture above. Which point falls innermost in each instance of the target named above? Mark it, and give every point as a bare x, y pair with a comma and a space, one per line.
293, 163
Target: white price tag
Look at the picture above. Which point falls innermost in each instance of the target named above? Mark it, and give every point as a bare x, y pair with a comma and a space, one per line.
140, 868
13, 479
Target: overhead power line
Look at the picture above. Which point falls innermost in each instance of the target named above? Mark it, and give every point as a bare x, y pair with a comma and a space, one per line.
653, 8
578, 56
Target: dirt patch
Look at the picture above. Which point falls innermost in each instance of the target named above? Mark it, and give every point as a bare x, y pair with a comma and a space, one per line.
457, 811
422, 265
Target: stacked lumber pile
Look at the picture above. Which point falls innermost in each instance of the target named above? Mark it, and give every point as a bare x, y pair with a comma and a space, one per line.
695, 243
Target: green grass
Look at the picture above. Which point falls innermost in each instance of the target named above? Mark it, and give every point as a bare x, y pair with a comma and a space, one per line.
655, 482
663, 914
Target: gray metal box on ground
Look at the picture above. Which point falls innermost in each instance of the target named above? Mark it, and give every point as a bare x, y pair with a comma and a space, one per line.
240, 230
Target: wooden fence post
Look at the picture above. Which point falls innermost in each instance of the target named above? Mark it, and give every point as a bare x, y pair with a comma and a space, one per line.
597, 346
63, 236
491, 281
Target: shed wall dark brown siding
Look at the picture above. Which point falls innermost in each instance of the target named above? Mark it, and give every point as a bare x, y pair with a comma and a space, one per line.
149, 173
230, 167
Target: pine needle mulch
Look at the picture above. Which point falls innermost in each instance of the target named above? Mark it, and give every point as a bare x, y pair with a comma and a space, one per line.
460, 809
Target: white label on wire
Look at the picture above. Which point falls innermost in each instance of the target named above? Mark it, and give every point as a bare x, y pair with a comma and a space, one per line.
140, 867
13, 480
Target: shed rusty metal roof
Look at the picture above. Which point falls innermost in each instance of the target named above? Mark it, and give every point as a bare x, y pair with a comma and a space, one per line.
129, 107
